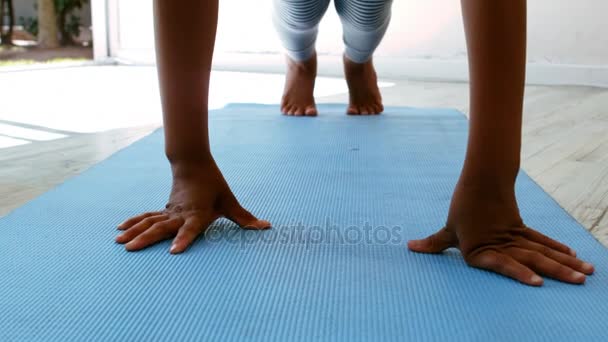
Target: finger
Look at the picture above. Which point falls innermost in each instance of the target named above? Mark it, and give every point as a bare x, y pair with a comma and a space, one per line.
564, 259
538, 237
187, 233
139, 228
435, 243
546, 266
231, 209
500, 263
134, 220
158, 232
237, 214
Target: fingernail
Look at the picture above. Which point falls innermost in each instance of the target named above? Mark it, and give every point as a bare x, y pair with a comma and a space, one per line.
173, 248
588, 268
572, 252
577, 275
536, 280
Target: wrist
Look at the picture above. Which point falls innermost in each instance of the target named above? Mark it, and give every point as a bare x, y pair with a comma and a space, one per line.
190, 164
487, 198
489, 185
190, 155
493, 172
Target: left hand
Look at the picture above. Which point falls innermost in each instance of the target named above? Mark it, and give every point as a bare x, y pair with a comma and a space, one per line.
485, 225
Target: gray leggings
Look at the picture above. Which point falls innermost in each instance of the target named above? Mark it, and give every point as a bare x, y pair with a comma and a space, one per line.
364, 23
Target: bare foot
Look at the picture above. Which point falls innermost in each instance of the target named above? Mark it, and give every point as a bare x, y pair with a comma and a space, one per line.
365, 98
298, 96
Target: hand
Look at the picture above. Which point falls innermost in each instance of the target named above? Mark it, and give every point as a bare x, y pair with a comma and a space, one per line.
485, 225
199, 196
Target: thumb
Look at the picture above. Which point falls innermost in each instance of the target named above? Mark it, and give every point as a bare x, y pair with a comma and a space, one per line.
239, 215
435, 243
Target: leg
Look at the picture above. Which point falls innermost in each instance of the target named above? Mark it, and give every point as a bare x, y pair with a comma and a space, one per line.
297, 23
364, 23
484, 220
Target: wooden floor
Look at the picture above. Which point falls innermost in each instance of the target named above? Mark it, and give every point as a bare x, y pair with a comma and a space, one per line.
565, 147
565, 140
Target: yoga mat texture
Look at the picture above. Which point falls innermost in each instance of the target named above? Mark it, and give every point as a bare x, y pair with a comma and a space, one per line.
344, 194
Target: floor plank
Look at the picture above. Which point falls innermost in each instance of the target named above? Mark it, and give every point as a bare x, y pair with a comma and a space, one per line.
565, 146
565, 140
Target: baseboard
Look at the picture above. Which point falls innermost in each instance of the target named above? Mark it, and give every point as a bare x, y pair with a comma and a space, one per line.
56, 65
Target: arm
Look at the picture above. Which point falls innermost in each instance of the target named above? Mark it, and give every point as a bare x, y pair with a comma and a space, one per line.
484, 221
185, 35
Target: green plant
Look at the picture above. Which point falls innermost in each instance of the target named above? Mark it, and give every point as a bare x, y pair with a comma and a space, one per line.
68, 24
30, 24
7, 11
72, 26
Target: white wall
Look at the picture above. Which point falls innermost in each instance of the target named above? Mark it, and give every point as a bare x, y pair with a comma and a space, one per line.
567, 39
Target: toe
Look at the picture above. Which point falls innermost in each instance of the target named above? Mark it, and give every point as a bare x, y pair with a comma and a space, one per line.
311, 111
377, 109
352, 110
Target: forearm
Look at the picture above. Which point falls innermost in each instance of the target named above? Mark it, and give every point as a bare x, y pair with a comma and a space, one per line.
185, 36
484, 221
496, 42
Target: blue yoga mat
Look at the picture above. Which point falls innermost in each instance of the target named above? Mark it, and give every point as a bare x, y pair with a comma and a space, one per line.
344, 195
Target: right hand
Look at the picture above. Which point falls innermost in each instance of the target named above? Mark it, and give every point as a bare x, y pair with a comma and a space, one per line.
199, 196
